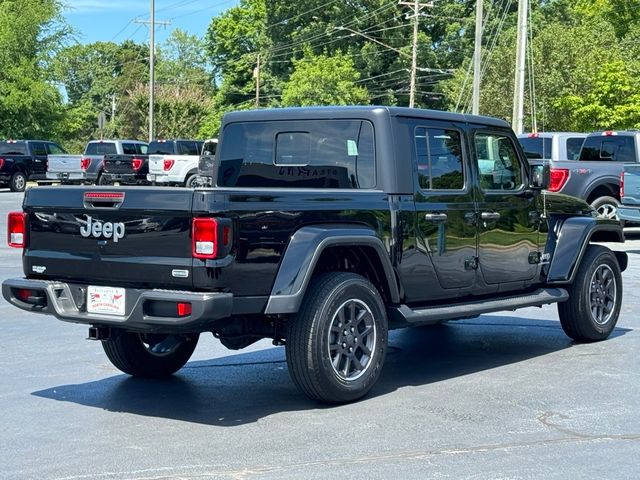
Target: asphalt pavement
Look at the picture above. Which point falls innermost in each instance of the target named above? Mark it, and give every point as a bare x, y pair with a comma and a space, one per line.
503, 396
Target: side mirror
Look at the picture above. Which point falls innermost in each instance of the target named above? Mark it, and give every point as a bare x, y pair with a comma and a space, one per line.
540, 176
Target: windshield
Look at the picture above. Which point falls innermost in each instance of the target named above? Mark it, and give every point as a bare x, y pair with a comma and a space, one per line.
11, 148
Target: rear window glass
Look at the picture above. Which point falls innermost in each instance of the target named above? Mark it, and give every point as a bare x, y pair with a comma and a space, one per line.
608, 149
7, 148
101, 148
209, 147
301, 154
574, 144
536, 147
129, 149
161, 148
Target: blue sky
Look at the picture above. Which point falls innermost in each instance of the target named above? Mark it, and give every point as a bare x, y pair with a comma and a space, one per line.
114, 20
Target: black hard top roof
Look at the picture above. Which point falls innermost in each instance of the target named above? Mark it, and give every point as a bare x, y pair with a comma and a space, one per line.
369, 112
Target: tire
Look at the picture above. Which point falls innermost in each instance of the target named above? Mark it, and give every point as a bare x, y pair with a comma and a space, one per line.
149, 355
595, 296
101, 180
191, 180
18, 182
607, 207
321, 359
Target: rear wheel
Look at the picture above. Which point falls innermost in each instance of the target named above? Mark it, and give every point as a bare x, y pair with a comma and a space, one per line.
595, 296
18, 182
101, 180
148, 354
336, 344
607, 207
191, 181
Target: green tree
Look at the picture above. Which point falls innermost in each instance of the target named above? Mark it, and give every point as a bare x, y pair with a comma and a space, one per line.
30, 33
181, 61
324, 80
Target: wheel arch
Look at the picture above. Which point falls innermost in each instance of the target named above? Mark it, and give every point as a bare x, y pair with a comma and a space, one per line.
604, 188
317, 249
573, 238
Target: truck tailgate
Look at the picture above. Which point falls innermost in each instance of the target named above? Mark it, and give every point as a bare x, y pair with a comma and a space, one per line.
64, 163
156, 164
110, 236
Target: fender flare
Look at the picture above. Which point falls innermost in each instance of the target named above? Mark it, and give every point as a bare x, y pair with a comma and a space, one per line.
302, 255
573, 239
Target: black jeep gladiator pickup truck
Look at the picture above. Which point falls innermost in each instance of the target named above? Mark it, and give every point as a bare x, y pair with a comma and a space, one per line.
324, 228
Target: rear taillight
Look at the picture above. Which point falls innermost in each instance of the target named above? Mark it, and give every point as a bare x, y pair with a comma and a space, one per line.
205, 237
1, 163
168, 165
136, 163
84, 163
622, 184
17, 229
184, 309
559, 177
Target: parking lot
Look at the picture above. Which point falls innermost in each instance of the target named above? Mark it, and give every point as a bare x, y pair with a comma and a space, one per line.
503, 396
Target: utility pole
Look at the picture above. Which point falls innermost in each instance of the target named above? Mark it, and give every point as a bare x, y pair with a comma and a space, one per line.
256, 75
517, 120
417, 6
477, 60
152, 60
113, 108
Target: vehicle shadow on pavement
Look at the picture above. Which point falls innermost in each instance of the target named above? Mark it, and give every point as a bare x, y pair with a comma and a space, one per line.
243, 388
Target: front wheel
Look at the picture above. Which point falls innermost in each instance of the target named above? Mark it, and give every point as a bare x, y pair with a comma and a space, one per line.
336, 344
148, 354
595, 296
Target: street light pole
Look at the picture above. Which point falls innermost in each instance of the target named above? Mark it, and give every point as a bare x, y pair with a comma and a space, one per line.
152, 73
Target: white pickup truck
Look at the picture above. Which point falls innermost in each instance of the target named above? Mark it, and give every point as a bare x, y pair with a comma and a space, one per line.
174, 162
87, 168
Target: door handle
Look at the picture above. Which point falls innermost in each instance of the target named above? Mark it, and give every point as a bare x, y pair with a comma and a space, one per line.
490, 216
436, 217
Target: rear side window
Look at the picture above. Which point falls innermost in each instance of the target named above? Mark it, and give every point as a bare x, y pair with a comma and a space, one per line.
141, 148
129, 148
608, 149
11, 148
188, 148
101, 148
439, 159
301, 154
161, 148
536, 147
574, 144
209, 147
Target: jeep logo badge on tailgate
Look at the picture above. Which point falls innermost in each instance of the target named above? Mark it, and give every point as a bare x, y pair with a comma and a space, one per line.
97, 229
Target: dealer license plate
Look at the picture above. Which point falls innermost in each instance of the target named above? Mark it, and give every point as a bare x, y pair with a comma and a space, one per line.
106, 300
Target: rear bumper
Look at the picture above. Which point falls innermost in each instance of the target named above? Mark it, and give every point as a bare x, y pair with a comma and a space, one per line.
629, 214
67, 302
163, 178
125, 178
71, 176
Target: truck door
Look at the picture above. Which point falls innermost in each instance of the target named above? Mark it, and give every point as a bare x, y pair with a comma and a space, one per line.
39, 153
507, 216
445, 205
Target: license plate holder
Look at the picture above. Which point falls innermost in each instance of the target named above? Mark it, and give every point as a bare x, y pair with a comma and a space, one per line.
106, 300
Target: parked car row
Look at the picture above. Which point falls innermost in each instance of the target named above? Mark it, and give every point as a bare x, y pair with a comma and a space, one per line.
104, 162
593, 173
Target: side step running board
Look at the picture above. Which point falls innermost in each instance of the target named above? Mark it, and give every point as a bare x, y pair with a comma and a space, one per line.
429, 315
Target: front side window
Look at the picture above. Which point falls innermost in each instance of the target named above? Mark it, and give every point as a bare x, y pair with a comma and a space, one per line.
188, 148
301, 154
498, 163
439, 159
